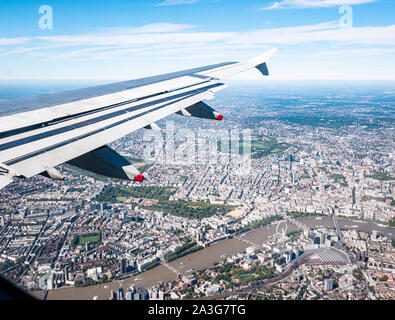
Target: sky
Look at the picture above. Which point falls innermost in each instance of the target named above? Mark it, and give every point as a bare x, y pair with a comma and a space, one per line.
121, 39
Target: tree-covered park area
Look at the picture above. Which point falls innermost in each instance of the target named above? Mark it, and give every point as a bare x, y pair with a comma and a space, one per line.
298, 214
188, 248
266, 146
294, 235
381, 175
187, 209
236, 275
261, 147
116, 194
256, 273
190, 209
339, 178
357, 273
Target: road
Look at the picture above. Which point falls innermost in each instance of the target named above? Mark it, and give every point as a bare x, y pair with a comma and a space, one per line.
336, 223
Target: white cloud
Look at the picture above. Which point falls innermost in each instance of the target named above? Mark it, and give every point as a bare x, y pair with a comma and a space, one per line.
325, 32
286, 4
164, 36
175, 2
152, 28
354, 52
180, 46
138, 39
13, 41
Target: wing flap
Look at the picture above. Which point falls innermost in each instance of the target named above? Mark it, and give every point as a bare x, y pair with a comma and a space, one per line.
107, 162
200, 110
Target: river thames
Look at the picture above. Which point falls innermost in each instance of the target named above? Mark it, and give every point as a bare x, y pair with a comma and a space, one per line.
208, 256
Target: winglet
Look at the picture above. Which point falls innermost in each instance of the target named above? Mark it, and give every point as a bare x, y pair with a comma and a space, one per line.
263, 57
234, 68
260, 61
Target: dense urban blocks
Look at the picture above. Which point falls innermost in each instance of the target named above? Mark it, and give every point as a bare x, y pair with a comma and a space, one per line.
211, 231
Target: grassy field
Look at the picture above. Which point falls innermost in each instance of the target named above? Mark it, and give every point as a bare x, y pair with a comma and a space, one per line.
90, 239
83, 239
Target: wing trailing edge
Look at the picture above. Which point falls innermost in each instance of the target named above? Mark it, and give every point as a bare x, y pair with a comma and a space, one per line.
5, 176
107, 162
52, 173
200, 110
75, 127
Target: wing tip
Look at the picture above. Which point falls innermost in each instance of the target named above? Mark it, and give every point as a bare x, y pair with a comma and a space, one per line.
264, 57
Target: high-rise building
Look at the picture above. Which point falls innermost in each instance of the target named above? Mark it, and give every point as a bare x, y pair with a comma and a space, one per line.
132, 263
322, 236
128, 295
328, 284
364, 255
198, 237
143, 293
113, 295
50, 283
298, 251
120, 293
153, 293
136, 296
123, 265
358, 256
133, 288
161, 295
289, 256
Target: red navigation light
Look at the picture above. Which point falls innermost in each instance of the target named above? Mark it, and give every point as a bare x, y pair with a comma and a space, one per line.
219, 117
139, 177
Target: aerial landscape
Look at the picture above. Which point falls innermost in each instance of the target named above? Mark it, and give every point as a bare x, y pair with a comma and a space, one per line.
312, 219
197, 151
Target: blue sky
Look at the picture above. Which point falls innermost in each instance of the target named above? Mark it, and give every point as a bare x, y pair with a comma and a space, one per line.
130, 39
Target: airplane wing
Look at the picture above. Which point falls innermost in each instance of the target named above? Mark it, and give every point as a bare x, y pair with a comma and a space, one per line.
37, 134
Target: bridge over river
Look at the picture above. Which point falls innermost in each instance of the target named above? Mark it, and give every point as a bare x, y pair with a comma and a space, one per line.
212, 254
